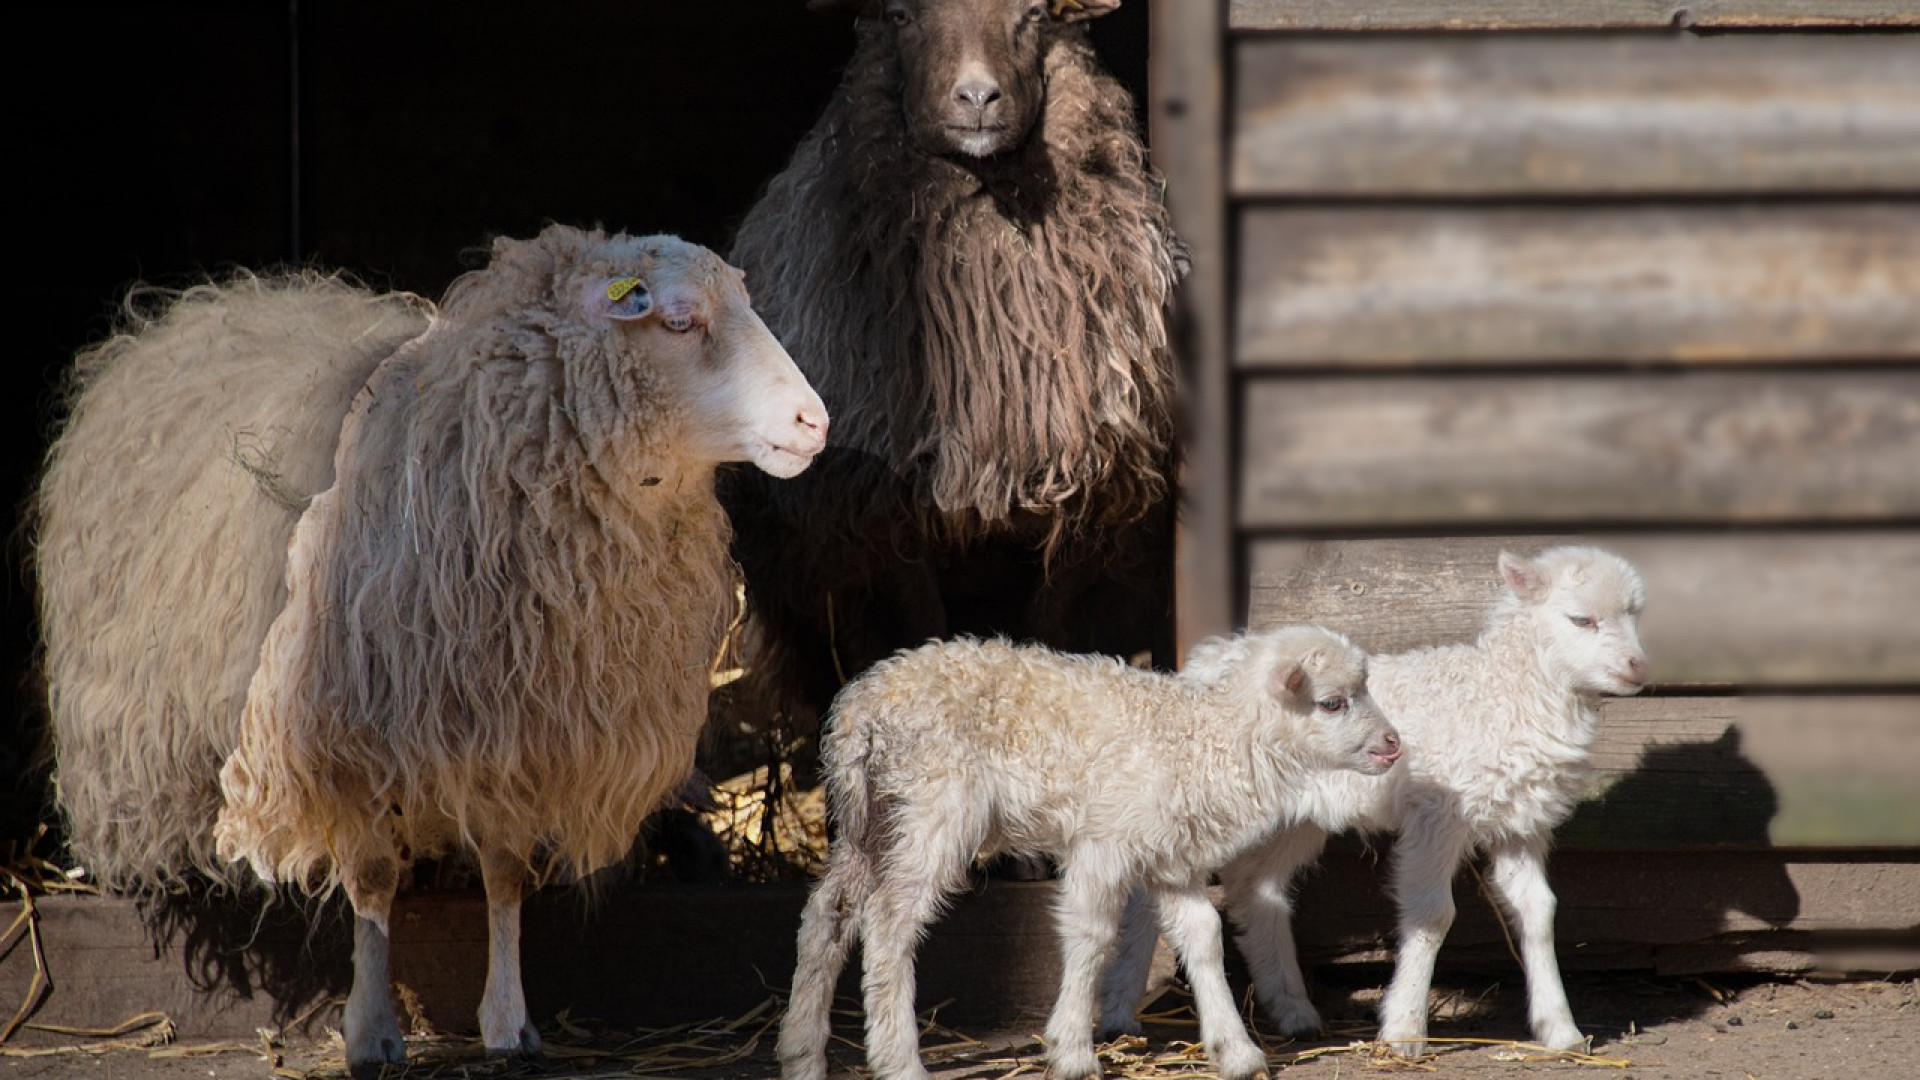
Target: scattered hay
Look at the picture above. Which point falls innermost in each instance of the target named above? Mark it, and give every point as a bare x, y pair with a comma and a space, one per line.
772, 829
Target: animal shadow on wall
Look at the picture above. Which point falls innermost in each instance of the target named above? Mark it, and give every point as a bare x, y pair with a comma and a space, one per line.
1704, 793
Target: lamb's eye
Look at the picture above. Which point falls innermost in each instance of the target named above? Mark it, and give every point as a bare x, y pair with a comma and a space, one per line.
1037, 13
1332, 704
679, 324
1584, 622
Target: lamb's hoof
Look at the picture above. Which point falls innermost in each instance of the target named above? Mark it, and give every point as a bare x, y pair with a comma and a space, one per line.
1565, 1037
1074, 1065
389, 1050
1406, 1044
1244, 1063
1295, 1019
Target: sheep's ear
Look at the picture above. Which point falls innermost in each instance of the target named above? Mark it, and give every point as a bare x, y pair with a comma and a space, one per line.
1077, 10
617, 299
853, 9
1524, 578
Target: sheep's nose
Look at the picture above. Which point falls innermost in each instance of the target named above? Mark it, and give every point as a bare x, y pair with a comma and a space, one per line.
814, 422
1637, 667
977, 94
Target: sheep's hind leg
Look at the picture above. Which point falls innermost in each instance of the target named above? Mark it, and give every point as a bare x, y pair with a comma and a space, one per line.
1519, 873
369, 1025
1089, 921
504, 1027
1125, 982
1191, 924
1259, 894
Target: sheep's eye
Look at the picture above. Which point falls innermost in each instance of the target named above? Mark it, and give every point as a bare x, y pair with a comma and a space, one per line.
1037, 13
1584, 622
1332, 704
899, 16
679, 324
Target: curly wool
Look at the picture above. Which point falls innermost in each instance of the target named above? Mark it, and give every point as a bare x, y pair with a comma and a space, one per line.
203, 427
994, 334
501, 616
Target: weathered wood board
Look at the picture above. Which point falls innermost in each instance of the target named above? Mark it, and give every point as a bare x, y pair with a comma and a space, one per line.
1567, 14
1535, 115
1674, 912
1636, 447
1819, 772
652, 959
1806, 608
1549, 284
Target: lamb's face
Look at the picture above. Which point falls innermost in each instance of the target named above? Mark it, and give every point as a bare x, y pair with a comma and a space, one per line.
973, 81
736, 395
1585, 606
1319, 680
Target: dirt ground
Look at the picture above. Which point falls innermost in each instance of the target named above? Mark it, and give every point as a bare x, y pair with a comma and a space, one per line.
1644, 1028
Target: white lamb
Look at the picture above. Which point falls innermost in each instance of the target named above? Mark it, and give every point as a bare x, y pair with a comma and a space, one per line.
1496, 737
964, 748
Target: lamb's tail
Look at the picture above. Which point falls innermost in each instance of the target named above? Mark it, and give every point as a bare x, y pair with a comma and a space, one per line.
833, 912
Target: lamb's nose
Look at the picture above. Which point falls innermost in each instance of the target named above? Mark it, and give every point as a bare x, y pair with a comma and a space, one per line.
1637, 667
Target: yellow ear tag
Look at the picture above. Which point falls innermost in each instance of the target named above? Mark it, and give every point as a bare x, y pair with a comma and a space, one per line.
618, 288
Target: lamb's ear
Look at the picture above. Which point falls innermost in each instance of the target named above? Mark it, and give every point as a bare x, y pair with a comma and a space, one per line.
616, 299
1524, 578
1287, 679
1077, 10
853, 9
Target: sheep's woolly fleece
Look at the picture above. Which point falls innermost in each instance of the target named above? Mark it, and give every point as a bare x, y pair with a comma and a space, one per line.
542, 680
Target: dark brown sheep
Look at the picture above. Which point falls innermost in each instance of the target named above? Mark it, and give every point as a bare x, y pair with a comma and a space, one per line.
970, 257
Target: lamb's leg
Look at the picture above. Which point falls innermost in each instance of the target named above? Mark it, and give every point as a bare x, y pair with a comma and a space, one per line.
369, 1025
827, 927
504, 1027
1089, 920
1519, 872
1125, 982
928, 861
1425, 858
1259, 897
1193, 927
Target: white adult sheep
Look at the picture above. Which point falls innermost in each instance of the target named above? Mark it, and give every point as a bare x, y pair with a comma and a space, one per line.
497, 620
1496, 735
1125, 776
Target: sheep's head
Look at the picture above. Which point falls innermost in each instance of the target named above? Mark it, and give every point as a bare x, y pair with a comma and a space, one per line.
1319, 681
682, 313
1582, 609
973, 71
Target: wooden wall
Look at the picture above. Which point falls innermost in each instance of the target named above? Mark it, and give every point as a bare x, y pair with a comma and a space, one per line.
1486, 275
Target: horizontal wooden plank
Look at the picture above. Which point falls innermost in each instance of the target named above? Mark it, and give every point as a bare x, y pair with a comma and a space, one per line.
1630, 909
993, 960
1567, 14
1542, 285
1690, 445
1681, 773
1562, 115
1773, 609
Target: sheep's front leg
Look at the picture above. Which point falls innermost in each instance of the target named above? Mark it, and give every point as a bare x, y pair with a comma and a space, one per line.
1519, 872
1089, 921
1425, 858
1191, 924
1259, 895
504, 1027
369, 1025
